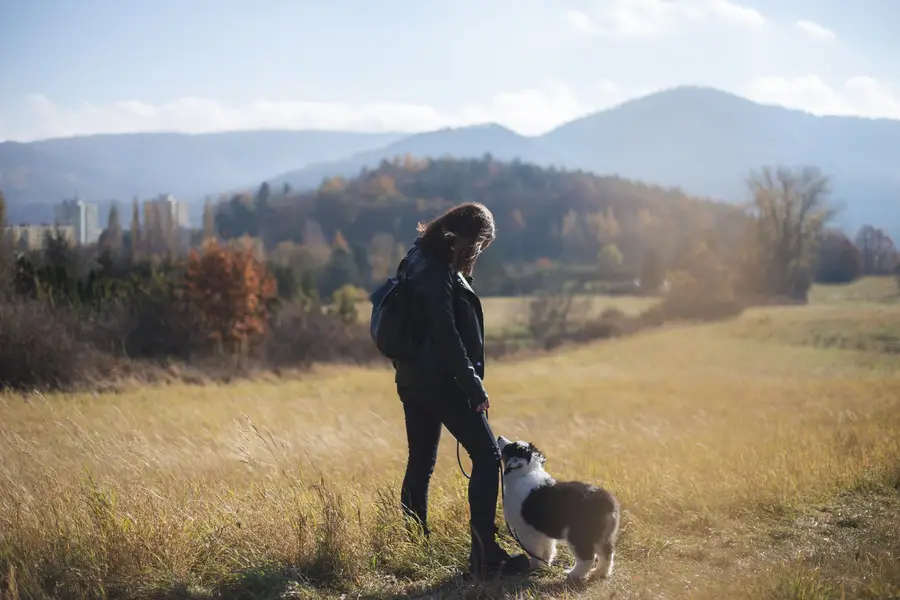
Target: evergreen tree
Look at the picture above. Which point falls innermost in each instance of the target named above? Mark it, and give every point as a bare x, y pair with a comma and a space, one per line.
209, 221
341, 268
363, 265
111, 240
136, 240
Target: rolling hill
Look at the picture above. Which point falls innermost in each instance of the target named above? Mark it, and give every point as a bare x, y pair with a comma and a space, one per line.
701, 140
36, 175
463, 142
707, 142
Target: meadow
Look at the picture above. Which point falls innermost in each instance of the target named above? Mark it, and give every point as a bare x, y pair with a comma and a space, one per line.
754, 458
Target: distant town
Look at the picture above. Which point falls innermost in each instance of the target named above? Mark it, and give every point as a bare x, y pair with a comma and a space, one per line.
79, 222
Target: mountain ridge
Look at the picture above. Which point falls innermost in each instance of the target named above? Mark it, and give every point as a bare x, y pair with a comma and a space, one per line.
702, 140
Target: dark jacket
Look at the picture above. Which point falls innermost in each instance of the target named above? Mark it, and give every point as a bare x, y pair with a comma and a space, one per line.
451, 322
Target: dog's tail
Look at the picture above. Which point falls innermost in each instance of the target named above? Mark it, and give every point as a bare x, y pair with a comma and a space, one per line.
607, 543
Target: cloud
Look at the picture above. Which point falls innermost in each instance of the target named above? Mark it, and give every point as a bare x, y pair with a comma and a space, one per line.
530, 111
731, 12
860, 96
650, 18
581, 23
815, 31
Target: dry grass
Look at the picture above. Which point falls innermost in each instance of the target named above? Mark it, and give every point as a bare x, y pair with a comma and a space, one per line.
504, 317
726, 446
509, 316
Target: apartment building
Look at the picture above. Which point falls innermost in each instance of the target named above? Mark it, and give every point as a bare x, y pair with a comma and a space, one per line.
83, 217
33, 237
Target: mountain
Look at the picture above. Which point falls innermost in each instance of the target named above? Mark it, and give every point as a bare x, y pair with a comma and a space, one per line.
707, 142
36, 175
463, 142
702, 140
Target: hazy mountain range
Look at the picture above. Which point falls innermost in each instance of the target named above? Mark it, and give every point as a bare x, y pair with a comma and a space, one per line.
702, 140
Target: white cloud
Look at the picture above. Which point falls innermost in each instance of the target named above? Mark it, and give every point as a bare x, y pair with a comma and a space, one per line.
860, 96
529, 111
731, 12
815, 31
581, 23
649, 18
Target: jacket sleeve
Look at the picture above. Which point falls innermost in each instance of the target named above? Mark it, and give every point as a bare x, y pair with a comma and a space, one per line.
437, 291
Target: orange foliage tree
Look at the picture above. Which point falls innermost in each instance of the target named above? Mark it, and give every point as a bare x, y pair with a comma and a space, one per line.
230, 290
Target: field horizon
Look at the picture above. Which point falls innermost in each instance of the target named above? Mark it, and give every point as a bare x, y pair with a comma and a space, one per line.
756, 457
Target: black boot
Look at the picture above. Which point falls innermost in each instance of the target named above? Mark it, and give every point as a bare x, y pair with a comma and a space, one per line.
488, 559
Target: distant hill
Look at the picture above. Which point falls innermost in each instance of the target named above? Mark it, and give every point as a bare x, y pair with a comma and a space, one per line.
36, 175
542, 215
704, 141
463, 142
701, 140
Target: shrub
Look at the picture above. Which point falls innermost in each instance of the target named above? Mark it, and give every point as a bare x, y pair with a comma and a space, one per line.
344, 301
301, 335
40, 346
839, 260
706, 297
159, 323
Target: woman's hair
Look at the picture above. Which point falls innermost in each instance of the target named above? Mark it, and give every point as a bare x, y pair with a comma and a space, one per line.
459, 235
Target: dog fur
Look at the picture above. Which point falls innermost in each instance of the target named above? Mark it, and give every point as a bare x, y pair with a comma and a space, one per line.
542, 511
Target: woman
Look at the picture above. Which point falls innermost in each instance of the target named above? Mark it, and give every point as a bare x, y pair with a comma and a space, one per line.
443, 384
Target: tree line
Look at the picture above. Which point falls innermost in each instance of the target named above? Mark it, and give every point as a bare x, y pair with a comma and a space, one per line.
280, 274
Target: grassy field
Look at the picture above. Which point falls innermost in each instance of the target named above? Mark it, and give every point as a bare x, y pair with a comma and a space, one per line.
505, 317
755, 458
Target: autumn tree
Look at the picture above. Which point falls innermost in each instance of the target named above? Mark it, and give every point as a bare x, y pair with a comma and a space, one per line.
381, 255
230, 291
876, 249
789, 209
839, 260
384, 185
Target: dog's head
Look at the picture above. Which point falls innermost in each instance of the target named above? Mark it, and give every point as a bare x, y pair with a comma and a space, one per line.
519, 455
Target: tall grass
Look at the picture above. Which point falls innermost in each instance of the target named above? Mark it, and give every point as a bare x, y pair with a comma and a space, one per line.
714, 440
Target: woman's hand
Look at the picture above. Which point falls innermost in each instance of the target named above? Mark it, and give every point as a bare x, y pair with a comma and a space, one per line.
483, 406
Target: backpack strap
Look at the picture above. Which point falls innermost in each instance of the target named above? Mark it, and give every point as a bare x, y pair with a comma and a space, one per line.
401, 268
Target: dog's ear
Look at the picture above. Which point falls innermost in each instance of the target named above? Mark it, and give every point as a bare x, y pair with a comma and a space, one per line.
536, 454
502, 442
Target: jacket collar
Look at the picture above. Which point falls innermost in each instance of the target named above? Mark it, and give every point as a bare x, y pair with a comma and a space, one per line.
465, 282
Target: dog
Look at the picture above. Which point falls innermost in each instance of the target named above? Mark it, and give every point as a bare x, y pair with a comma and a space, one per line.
542, 511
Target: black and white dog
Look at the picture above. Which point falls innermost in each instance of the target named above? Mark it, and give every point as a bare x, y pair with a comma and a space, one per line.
542, 511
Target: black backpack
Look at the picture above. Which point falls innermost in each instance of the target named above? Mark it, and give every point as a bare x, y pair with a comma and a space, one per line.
393, 325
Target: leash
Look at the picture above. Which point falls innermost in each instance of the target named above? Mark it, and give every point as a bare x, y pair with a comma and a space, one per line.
503, 497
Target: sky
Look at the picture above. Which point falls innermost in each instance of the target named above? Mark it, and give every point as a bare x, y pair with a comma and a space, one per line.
72, 67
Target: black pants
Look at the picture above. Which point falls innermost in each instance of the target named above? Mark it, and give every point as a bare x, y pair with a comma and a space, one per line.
426, 409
